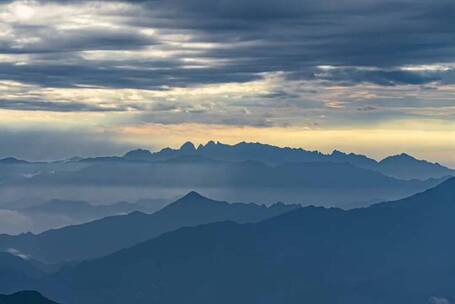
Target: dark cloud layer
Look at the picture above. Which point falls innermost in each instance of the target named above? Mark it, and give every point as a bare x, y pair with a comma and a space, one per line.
251, 37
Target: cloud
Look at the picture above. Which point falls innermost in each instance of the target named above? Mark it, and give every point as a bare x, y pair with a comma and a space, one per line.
438, 300
44, 105
194, 42
17, 253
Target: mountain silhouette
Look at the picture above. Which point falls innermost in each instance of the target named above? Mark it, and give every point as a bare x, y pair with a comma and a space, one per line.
194, 171
321, 183
407, 167
25, 297
240, 172
138, 155
12, 161
394, 252
107, 235
272, 155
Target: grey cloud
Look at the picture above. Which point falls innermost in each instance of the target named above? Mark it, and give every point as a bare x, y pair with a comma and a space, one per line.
55, 41
385, 77
130, 73
233, 117
291, 36
367, 108
51, 106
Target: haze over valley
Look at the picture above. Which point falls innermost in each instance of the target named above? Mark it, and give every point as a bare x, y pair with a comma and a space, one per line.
41, 195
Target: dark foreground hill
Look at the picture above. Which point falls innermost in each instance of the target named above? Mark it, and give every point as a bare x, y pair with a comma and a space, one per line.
110, 234
25, 297
396, 252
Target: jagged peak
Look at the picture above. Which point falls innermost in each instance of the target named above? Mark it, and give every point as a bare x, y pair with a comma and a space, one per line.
337, 152
192, 195
190, 198
400, 156
188, 147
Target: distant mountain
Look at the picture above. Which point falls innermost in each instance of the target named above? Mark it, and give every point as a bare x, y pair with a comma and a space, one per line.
107, 235
321, 183
407, 167
80, 210
138, 155
399, 166
395, 252
241, 172
12, 161
194, 171
25, 297
268, 154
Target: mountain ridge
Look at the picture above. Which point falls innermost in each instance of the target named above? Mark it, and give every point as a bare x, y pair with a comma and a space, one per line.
378, 254
270, 154
95, 238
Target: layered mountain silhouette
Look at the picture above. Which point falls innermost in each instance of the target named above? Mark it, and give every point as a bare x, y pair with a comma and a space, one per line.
394, 252
400, 166
322, 183
408, 167
25, 297
191, 172
244, 172
107, 235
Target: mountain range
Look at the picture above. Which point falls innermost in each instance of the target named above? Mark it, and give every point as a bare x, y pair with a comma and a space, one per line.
104, 236
402, 166
215, 173
240, 172
323, 183
392, 252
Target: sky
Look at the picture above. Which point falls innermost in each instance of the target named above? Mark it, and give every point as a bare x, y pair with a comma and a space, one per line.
101, 77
